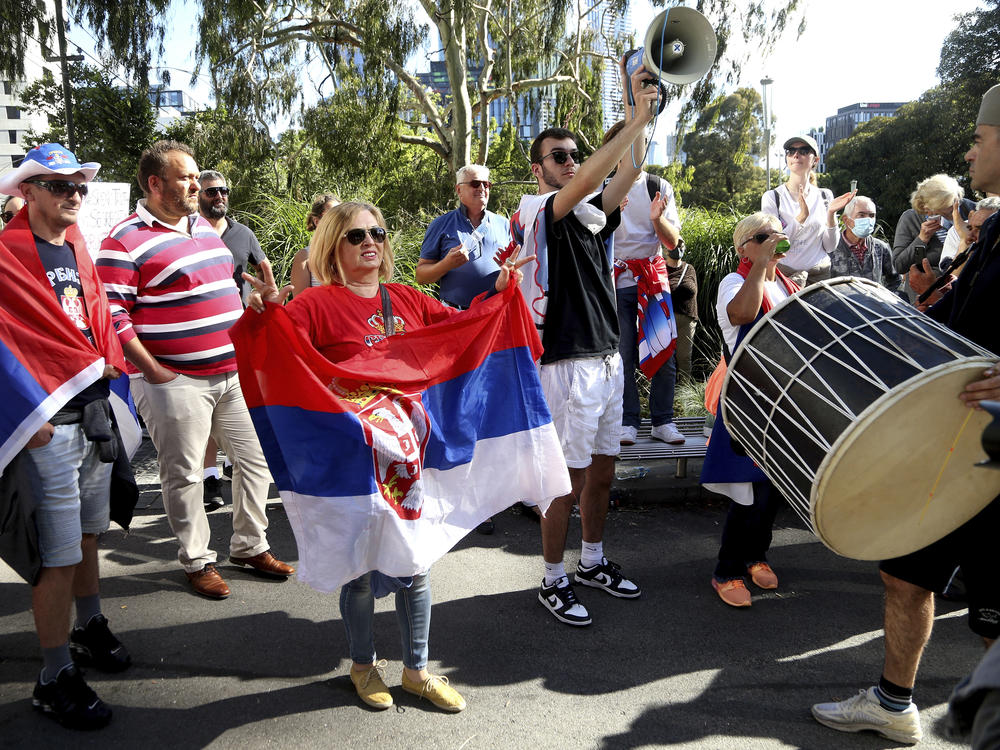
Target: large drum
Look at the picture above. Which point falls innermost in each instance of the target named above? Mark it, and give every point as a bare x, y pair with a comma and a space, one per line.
847, 398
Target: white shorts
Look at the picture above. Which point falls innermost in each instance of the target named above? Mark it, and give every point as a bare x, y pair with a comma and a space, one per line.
585, 398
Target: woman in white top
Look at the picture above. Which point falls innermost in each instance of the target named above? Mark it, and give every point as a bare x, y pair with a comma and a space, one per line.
802, 207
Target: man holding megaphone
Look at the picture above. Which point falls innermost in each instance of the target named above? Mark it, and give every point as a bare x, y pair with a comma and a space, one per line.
571, 292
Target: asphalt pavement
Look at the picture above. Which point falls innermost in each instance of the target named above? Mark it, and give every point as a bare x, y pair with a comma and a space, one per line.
267, 668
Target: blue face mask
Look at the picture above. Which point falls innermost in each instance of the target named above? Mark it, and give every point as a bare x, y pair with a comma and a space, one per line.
863, 227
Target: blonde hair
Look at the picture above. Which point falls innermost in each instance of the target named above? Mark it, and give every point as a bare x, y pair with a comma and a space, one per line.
936, 195
749, 226
324, 260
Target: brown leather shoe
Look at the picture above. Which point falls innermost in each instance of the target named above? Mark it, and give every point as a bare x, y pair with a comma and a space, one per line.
265, 563
208, 582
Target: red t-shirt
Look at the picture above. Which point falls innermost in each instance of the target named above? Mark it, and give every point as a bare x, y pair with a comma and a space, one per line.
340, 324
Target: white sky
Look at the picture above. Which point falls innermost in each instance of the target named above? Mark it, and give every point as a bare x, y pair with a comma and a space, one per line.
852, 51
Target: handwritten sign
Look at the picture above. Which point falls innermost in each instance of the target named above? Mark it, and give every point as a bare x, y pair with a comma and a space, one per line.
106, 204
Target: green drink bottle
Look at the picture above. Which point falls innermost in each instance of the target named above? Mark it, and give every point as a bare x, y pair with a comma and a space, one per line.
782, 247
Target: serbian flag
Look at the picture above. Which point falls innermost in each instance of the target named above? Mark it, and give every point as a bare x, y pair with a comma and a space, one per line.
386, 460
657, 325
44, 361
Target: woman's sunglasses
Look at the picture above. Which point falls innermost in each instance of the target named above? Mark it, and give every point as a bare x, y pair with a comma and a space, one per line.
61, 187
357, 236
760, 238
800, 150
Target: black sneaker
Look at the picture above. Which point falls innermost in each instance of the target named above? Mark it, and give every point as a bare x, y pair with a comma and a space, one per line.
96, 646
71, 702
608, 576
560, 600
227, 471
213, 493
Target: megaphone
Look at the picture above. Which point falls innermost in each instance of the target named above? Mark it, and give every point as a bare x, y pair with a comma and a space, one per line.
679, 48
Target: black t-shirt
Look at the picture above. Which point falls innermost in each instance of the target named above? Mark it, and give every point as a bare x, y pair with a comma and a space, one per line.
243, 245
60, 267
581, 319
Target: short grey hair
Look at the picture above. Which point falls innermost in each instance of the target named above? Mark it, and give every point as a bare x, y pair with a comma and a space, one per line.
469, 171
989, 204
211, 174
852, 204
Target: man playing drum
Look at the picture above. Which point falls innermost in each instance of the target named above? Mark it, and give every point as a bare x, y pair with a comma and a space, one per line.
968, 308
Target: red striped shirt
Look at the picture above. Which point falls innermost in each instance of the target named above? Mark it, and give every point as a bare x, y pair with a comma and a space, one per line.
173, 291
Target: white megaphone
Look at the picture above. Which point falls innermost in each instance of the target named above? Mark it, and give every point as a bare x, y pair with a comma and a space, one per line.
679, 47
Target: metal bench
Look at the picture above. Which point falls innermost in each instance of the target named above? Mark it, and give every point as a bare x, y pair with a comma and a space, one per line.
645, 448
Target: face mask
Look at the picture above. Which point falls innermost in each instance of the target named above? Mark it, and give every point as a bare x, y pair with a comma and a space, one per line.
863, 227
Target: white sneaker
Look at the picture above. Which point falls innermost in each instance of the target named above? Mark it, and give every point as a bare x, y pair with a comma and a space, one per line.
863, 711
627, 435
668, 433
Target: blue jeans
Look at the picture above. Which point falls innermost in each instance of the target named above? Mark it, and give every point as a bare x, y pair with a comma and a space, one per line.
661, 388
73, 491
746, 535
413, 611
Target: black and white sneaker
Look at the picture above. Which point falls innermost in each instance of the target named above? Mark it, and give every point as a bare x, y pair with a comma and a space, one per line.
608, 576
212, 489
70, 701
96, 646
560, 600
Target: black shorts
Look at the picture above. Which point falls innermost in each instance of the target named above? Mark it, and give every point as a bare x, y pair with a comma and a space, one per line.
970, 546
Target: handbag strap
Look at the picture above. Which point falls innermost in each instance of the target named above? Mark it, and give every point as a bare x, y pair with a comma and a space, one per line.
387, 319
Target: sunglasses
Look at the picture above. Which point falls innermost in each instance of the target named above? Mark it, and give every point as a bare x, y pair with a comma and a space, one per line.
62, 188
6, 216
560, 157
212, 192
800, 150
476, 184
357, 236
760, 238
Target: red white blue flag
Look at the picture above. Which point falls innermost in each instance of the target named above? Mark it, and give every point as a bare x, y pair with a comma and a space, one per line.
44, 361
386, 460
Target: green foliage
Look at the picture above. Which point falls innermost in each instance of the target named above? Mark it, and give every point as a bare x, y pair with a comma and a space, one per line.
18, 20
677, 174
888, 157
708, 236
969, 55
280, 226
232, 145
719, 148
112, 124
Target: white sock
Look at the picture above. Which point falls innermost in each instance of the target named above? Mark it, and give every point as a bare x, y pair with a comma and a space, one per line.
591, 554
553, 572
212, 472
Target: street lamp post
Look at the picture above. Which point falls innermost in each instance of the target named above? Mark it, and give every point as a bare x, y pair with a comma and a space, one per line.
765, 82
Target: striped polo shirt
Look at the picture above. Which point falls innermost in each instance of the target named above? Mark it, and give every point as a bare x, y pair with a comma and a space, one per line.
173, 290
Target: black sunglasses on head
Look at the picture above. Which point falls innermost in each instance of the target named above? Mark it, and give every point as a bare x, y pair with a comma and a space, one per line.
214, 191
476, 184
800, 150
357, 236
61, 187
559, 157
6, 216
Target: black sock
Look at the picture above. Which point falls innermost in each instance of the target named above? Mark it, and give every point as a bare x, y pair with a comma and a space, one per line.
893, 697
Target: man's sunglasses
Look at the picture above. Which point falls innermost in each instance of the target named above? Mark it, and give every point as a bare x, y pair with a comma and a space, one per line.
212, 192
476, 184
357, 236
7, 216
760, 238
61, 187
800, 150
559, 157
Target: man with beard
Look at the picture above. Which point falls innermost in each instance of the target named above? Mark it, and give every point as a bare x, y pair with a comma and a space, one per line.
169, 279
570, 290
213, 205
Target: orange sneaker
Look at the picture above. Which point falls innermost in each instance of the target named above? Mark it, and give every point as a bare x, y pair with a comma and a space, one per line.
734, 592
762, 575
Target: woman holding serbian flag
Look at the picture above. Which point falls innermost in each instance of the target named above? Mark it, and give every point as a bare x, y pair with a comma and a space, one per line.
744, 296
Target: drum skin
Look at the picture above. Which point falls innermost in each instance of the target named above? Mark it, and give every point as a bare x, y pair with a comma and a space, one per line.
847, 398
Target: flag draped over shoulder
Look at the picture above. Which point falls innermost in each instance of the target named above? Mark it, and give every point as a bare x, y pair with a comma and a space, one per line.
44, 359
384, 461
